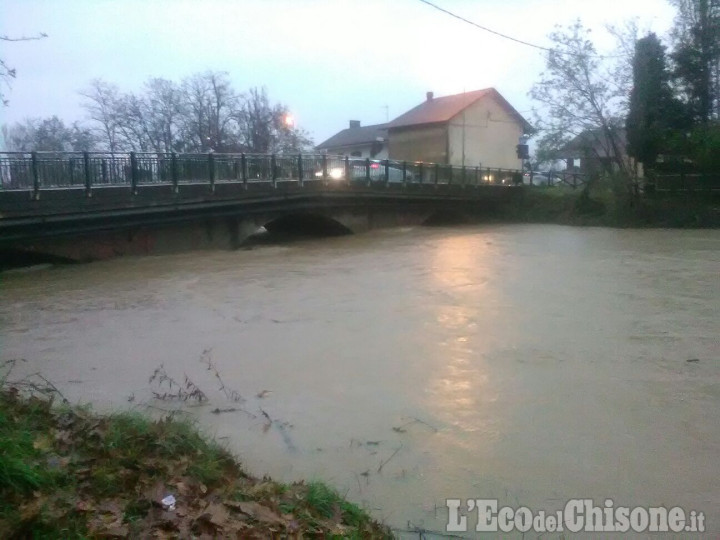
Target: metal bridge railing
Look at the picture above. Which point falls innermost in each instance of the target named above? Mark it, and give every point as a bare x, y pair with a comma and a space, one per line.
36, 171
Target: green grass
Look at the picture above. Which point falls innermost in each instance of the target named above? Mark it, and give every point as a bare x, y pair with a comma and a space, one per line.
27, 467
68, 473
327, 502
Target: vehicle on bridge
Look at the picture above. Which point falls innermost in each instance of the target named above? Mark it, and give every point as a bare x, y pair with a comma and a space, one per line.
361, 169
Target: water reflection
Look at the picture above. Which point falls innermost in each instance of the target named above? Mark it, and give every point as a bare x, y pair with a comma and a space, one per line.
461, 392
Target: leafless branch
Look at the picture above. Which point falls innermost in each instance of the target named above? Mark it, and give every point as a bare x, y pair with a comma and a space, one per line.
388, 459
40, 35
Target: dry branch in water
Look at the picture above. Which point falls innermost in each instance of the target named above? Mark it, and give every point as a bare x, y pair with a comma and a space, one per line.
188, 391
413, 420
232, 395
33, 384
388, 459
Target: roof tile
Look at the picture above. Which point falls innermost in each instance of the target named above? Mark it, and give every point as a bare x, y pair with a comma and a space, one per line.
443, 109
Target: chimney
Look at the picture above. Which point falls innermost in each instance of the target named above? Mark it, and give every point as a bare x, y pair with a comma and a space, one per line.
429, 96
354, 124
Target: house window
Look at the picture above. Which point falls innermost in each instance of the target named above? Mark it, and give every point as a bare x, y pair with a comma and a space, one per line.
356, 153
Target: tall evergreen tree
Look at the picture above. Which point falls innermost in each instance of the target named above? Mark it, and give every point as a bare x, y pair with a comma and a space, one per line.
653, 110
697, 57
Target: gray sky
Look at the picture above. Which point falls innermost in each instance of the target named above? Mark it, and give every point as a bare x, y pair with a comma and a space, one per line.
328, 61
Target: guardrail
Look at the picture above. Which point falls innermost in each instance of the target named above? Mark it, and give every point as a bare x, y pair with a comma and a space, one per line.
553, 178
685, 182
37, 171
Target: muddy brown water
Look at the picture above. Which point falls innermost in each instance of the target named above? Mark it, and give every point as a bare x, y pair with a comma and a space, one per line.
531, 364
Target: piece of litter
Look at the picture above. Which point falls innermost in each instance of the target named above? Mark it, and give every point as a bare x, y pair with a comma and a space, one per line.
168, 502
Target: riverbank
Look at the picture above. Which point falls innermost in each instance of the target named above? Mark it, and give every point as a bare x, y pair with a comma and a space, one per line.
601, 205
66, 472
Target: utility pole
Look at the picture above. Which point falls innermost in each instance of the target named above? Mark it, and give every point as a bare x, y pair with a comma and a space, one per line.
463, 129
463, 139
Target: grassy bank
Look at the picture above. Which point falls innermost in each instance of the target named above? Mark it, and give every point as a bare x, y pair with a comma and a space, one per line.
604, 204
68, 473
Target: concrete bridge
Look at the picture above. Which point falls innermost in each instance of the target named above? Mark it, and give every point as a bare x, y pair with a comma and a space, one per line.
84, 206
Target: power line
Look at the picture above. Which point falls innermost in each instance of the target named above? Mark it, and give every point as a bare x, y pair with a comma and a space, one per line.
486, 28
505, 36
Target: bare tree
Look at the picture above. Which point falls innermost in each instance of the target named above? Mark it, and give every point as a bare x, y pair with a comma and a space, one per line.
8, 73
133, 117
20, 136
621, 66
257, 122
269, 128
579, 98
202, 114
164, 109
102, 101
47, 135
211, 113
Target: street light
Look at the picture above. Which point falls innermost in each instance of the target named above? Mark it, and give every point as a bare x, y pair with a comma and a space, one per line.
288, 120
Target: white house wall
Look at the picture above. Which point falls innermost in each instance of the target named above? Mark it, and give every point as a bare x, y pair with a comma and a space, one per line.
419, 143
489, 134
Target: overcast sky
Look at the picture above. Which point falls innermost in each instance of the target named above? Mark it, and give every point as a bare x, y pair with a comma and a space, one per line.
328, 61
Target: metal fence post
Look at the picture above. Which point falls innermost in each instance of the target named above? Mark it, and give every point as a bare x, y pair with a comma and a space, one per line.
301, 172
273, 168
133, 174
477, 176
347, 170
404, 173
437, 173
387, 173
367, 170
36, 176
88, 176
324, 168
71, 170
211, 171
464, 179
174, 176
420, 171
450, 174
243, 167
104, 170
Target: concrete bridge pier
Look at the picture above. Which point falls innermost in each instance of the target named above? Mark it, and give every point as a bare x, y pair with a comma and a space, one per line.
211, 233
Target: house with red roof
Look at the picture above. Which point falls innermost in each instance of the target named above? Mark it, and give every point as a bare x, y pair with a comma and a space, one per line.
478, 128
474, 129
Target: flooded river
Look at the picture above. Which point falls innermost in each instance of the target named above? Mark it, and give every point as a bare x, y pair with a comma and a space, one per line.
531, 364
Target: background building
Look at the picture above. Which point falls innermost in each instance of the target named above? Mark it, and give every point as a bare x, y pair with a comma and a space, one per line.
471, 129
358, 141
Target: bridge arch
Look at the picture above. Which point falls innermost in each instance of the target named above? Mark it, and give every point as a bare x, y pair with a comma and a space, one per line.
300, 224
